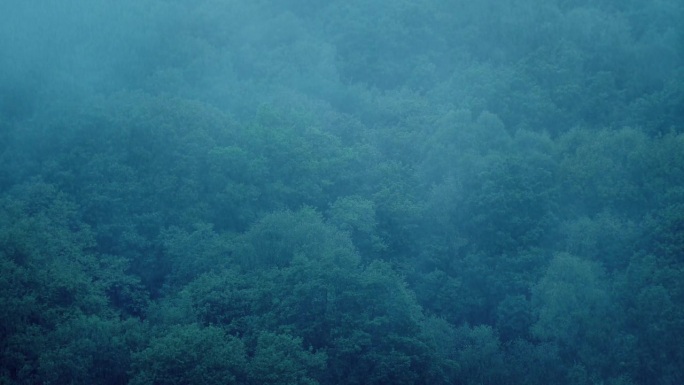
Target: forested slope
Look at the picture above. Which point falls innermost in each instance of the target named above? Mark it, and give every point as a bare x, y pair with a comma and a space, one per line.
343, 192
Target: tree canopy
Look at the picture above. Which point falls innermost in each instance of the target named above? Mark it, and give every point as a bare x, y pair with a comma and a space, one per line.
341, 192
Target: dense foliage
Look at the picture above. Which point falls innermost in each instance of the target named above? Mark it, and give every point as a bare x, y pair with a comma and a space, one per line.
341, 192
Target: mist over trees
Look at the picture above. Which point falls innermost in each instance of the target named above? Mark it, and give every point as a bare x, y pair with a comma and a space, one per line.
342, 192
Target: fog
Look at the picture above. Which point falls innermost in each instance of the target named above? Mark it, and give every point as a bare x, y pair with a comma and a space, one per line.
343, 192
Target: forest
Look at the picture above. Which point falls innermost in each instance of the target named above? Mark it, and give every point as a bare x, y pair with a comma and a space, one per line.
282, 192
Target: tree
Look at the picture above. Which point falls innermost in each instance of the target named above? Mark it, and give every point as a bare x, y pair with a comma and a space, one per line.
89, 349
56, 293
574, 310
279, 359
190, 354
